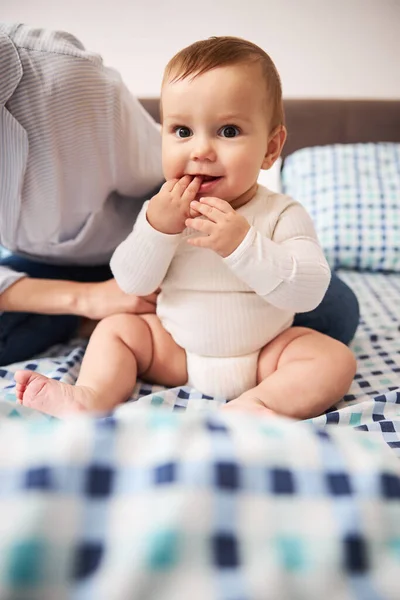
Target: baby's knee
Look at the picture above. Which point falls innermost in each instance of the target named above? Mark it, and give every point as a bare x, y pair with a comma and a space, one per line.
345, 356
343, 363
121, 325
350, 361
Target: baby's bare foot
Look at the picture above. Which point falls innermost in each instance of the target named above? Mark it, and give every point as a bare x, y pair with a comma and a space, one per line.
50, 396
250, 404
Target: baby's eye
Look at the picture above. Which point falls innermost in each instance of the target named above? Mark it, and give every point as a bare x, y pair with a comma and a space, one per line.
182, 132
229, 131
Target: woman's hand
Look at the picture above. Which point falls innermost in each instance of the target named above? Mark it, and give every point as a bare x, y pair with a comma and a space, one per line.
99, 300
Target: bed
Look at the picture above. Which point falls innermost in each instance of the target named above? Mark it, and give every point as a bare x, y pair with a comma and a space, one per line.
168, 497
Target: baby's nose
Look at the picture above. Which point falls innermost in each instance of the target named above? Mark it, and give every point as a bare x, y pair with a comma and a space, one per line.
203, 149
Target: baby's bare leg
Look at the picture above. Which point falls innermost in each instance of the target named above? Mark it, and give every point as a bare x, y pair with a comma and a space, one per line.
168, 360
121, 347
301, 373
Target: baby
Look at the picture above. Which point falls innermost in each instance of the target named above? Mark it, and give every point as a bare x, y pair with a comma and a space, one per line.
234, 261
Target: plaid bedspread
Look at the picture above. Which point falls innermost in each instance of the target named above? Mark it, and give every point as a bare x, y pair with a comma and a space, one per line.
150, 504
169, 498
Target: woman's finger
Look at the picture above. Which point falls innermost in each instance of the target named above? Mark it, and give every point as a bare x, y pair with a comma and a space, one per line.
142, 306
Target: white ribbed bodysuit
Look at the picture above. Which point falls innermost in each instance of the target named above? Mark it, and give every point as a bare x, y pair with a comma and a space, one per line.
228, 308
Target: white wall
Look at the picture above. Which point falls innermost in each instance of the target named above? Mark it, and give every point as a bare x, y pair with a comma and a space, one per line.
322, 48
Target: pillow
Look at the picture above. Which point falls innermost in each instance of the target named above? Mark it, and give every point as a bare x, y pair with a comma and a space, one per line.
352, 192
271, 178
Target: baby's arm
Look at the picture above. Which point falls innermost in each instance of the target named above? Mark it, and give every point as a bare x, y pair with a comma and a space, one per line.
289, 270
140, 262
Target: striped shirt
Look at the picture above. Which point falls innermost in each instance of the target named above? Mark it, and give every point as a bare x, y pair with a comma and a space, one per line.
78, 153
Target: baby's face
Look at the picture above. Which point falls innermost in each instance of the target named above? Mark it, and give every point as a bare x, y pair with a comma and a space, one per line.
216, 125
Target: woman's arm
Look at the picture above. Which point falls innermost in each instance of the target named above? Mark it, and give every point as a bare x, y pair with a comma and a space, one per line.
56, 297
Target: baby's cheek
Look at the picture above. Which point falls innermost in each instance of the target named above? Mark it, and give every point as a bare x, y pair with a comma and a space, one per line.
168, 170
173, 165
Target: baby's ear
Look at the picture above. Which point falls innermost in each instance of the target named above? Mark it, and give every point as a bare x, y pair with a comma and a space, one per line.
276, 141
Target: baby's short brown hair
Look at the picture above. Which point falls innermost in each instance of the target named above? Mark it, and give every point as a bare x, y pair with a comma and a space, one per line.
204, 55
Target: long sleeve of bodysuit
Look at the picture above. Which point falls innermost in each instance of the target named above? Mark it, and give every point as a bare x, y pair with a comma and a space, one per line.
289, 270
140, 262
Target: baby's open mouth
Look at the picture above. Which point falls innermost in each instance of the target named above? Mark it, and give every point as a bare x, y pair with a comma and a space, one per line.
208, 177
208, 184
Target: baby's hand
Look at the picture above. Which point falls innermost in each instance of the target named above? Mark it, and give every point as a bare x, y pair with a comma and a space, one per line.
225, 229
169, 209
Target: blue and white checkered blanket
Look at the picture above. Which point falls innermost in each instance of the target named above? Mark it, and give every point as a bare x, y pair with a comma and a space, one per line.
154, 504
170, 498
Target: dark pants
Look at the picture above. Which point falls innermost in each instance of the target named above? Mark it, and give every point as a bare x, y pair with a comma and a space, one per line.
22, 335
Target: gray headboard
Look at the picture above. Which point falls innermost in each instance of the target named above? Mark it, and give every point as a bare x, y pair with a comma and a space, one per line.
319, 121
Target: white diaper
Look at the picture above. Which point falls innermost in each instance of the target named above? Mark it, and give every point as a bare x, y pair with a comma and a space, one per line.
227, 377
